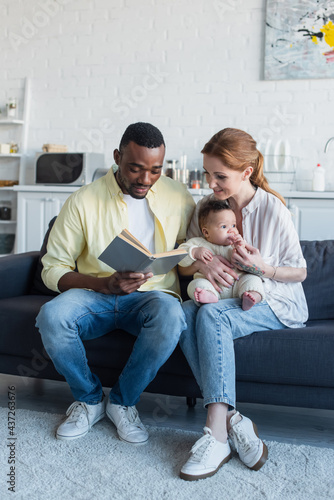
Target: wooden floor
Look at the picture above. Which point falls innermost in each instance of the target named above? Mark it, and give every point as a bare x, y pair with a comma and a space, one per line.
276, 423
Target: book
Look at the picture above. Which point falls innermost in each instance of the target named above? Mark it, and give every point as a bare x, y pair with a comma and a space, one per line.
126, 253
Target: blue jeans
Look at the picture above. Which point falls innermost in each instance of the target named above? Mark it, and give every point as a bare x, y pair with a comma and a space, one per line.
208, 342
78, 315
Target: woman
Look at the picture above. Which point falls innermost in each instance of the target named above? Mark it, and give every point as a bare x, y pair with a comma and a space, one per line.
234, 170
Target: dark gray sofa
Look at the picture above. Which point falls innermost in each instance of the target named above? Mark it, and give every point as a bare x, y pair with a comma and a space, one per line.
292, 367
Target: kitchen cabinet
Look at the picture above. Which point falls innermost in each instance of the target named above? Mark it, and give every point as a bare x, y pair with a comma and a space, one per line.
35, 209
313, 217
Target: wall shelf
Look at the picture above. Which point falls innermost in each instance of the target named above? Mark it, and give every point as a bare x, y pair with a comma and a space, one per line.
13, 165
11, 155
5, 121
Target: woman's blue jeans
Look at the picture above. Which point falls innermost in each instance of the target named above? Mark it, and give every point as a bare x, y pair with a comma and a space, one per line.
208, 343
155, 318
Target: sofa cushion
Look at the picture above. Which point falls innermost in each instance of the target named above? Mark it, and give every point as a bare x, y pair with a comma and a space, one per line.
318, 286
38, 286
16, 274
17, 318
294, 356
118, 341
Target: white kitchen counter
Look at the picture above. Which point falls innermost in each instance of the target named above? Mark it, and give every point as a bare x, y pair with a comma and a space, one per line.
39, 188
328, 195
287, 194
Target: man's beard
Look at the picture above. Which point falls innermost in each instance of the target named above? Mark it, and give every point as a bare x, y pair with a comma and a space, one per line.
129, 188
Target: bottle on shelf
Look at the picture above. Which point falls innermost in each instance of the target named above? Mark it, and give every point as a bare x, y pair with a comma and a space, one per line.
318, 183
14, 147
12, 108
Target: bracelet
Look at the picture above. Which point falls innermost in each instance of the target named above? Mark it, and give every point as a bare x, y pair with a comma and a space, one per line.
275, 269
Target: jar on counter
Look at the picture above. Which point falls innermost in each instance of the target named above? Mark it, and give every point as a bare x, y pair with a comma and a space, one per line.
195, 181
5, 210
170, 169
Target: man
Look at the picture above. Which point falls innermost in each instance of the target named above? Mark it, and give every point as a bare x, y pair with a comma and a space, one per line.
96, 300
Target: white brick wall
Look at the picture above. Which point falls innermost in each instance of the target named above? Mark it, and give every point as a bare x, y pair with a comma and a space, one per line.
92, 60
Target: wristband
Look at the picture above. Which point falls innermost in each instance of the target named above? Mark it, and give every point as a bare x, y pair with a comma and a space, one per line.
275, 269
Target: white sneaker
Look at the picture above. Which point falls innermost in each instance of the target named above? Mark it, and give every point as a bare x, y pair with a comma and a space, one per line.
207, 456
252, 451
128, 424
80, 418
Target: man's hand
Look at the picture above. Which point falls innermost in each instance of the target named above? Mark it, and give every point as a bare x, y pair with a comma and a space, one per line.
117, 283
125, 283
202, 254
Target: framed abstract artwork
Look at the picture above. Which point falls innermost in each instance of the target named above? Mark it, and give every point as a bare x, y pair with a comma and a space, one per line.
299, 39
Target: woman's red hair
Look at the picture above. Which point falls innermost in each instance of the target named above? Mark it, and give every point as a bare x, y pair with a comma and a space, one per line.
237, 150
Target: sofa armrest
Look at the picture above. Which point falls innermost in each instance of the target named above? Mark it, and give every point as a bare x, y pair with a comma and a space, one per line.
17, 274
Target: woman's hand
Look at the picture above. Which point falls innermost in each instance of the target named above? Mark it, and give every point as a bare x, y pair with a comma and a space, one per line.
249, 259
219, 272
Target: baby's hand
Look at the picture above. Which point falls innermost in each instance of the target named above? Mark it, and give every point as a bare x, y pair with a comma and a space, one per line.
236, 240
201, 253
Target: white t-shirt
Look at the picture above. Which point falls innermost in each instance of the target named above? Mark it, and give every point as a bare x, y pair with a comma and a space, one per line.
141, 221
267, 225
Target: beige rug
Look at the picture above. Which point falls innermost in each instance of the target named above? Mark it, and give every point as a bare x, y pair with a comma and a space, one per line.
99, 466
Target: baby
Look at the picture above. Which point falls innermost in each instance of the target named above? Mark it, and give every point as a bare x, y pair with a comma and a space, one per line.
218, 225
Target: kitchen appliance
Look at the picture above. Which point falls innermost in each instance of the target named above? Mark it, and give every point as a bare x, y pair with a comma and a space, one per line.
99, 172
67, 169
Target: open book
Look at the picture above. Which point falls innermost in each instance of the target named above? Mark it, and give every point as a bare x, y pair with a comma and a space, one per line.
126, 253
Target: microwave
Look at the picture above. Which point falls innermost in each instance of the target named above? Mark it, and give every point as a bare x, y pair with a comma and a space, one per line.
67, 169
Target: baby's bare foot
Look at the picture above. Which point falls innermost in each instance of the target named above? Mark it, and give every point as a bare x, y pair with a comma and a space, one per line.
205, 296
249, 299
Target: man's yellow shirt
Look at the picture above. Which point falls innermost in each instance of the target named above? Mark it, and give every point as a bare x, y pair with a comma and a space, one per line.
92, 217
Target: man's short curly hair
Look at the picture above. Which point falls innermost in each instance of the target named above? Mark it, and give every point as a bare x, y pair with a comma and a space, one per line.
208, 206
143, 134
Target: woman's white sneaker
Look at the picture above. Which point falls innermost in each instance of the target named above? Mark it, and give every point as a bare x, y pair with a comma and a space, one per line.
80, 418
128, 424
243, 433
207, 456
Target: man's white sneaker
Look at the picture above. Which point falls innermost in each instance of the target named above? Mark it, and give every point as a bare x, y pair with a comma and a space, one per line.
243, 433
80, 418
128, 424
207, 456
